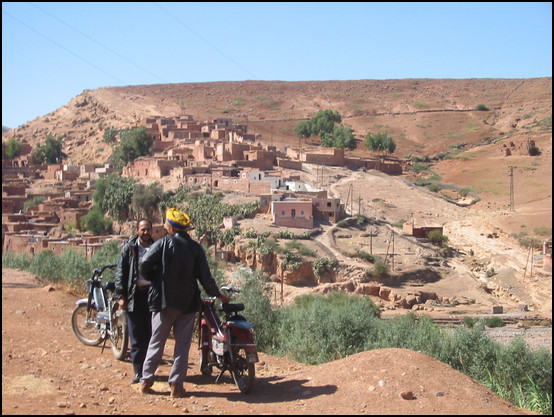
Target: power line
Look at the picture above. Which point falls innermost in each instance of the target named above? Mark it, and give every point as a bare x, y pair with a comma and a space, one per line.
100, 44
206, 42
65, 49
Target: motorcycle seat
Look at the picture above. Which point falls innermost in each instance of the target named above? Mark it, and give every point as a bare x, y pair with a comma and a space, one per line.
232, 307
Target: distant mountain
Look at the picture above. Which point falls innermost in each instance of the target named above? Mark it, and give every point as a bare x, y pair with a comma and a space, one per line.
5, 129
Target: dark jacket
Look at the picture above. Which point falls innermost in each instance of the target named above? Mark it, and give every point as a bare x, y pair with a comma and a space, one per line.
174, 264
126, 273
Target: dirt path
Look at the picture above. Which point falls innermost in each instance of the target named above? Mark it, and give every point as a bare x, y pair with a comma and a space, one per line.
489, 258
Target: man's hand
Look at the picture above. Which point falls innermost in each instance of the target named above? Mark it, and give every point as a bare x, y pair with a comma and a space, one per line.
224, 299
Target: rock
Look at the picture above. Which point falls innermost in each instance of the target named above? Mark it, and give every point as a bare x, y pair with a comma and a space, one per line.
408, 395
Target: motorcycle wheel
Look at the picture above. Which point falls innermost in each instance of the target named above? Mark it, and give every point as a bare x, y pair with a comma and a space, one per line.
244, 373
119, 337
205, 369
83, 324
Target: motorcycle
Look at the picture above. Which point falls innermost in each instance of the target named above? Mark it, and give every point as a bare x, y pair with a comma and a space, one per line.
97, 318
227, 344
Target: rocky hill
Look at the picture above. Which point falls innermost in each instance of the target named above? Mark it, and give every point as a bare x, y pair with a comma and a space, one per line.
423, 116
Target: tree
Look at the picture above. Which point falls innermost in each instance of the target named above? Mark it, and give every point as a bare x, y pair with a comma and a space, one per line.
324, 122
110, 135
343, 138
117, 196
303, 129
13, 148
51, 151
380, 142
146, 199
134, 142
95, 221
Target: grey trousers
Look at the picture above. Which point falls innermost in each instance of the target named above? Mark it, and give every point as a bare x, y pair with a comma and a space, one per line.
183, 327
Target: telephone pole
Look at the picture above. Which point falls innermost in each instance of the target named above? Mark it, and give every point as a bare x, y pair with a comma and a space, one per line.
512, 208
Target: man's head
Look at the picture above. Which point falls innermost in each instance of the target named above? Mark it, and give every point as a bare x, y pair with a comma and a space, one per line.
176, 221
144, 231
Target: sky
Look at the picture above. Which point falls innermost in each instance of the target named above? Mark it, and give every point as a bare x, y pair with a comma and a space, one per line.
51, 52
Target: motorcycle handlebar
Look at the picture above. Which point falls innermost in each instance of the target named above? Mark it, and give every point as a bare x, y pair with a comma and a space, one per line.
100, 270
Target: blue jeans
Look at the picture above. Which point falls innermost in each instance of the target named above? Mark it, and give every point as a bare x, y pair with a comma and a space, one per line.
183, 328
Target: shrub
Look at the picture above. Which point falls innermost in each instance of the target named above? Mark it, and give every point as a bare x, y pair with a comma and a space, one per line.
324, 265
437, 238
494, 322
47, 265
419, 167
481, 107
380, 269
21, 261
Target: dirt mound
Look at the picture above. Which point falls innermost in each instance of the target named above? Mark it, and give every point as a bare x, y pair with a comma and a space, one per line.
46, 370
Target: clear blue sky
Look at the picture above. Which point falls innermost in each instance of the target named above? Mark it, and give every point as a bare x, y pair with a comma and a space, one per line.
51, 52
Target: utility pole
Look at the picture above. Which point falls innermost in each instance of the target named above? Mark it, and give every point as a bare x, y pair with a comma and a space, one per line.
512, 208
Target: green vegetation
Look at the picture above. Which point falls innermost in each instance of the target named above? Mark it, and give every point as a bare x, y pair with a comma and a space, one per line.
543, 231
323, 124
380, 142
419, 167
110, 135
51, 151
437, 238
13, 148
96, 223
35, 201
324, 265
134, 142
481, 107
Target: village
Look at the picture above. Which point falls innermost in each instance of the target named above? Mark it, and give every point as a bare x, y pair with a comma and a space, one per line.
216, 155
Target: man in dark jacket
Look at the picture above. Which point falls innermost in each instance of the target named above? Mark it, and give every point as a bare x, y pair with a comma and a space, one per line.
133, 291
174, 263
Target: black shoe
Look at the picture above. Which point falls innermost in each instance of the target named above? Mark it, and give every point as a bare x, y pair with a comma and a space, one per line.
136, 379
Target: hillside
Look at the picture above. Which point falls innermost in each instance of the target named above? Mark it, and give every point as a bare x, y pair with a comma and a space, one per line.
425, 118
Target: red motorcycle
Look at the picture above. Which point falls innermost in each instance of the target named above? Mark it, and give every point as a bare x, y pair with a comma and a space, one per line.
227, 344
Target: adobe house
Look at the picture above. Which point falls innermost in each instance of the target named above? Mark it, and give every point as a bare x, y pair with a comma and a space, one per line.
327, 156
293, 213
328, 209
419, 232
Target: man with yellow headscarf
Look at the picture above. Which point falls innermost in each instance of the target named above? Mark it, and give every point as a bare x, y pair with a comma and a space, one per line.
174, 264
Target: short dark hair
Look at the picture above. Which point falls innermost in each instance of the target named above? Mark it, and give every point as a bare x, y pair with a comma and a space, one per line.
144, 219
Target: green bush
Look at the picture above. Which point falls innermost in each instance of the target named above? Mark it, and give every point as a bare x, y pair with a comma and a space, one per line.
318, 329
75, 267
419, 167
437, 238
255, 294
481, 107
360, 254
324, 265
47, 265
21, 261
494, 322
